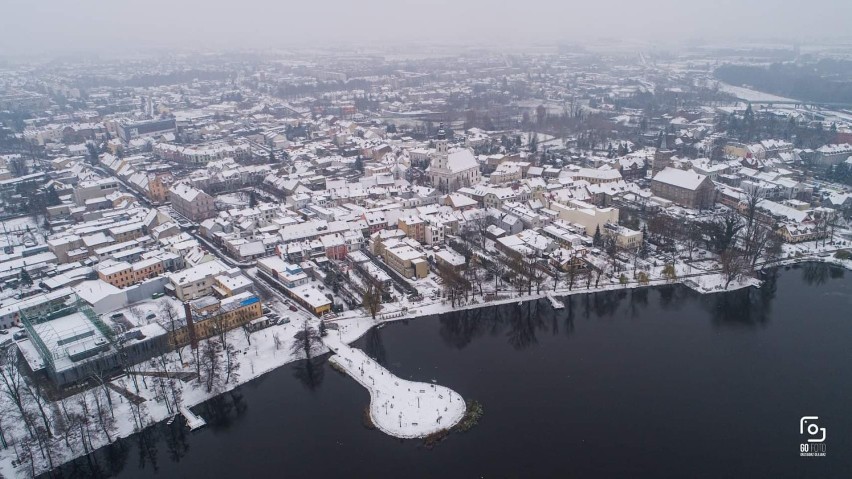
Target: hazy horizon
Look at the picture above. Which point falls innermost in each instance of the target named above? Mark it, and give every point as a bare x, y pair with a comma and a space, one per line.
55, 26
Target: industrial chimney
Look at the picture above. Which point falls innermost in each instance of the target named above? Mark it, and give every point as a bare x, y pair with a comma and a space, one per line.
190, 326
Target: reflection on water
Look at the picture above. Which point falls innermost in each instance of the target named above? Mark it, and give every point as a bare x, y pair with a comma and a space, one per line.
375, 348
223, 410
523, 324
110, 461
744, 307
311, 372
817, 274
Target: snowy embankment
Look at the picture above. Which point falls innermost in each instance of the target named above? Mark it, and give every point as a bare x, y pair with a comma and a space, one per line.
270, 349
715, 283
399, 407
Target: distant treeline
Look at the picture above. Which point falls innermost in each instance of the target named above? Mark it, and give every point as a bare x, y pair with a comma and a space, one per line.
826, 80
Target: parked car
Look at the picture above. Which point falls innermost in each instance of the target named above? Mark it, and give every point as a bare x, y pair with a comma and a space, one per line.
4, 331
292, 308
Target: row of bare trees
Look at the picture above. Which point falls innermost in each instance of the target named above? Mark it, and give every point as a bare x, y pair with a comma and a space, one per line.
741, 237
456, 286
52, 430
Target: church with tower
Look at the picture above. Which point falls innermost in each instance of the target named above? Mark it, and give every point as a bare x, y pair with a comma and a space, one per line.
451, 170
662, 157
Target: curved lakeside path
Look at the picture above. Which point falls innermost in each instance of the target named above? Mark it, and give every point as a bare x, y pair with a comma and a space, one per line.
398, 407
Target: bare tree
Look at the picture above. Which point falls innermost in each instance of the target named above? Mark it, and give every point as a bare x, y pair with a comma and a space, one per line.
598, 273
669, 272
211, 364
165, 388
84, 423
232, 364
573, 272
751, 202
538, 276
106, 421
139, 411
247, 331
98, 377
372, 300
64, 424
307, 341
34, 394
471, 275
497, 268
520, 269
169, 312
3, 424
760, 239
13, 384
733, 265
589, 275
454, 283
690, 236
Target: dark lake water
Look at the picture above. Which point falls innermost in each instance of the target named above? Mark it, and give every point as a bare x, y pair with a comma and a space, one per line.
655, 383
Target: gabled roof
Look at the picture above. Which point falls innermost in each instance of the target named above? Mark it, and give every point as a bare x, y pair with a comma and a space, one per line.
680, 178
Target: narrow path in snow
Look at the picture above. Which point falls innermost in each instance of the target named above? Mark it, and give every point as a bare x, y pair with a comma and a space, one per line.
398, 407
134, 398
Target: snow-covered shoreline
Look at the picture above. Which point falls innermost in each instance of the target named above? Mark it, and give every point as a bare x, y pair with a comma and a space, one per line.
262, 355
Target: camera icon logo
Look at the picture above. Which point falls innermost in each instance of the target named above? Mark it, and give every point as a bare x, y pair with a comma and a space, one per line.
808, 423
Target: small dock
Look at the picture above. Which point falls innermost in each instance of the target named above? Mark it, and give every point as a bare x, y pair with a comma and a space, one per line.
192, 420
555, 302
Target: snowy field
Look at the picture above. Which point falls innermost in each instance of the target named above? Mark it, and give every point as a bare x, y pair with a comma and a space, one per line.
747, 94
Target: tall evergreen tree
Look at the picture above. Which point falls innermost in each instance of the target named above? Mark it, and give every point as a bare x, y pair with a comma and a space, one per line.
52, 196
25, 278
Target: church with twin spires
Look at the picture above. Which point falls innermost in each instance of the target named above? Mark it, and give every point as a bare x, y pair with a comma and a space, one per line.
451, 170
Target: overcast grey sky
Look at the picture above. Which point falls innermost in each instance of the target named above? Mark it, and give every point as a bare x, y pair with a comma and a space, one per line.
28, 26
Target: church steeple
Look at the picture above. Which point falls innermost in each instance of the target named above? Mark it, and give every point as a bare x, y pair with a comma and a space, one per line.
441, 147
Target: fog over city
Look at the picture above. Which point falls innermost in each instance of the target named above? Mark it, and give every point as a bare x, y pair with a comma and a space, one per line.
60, 26
321, 238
